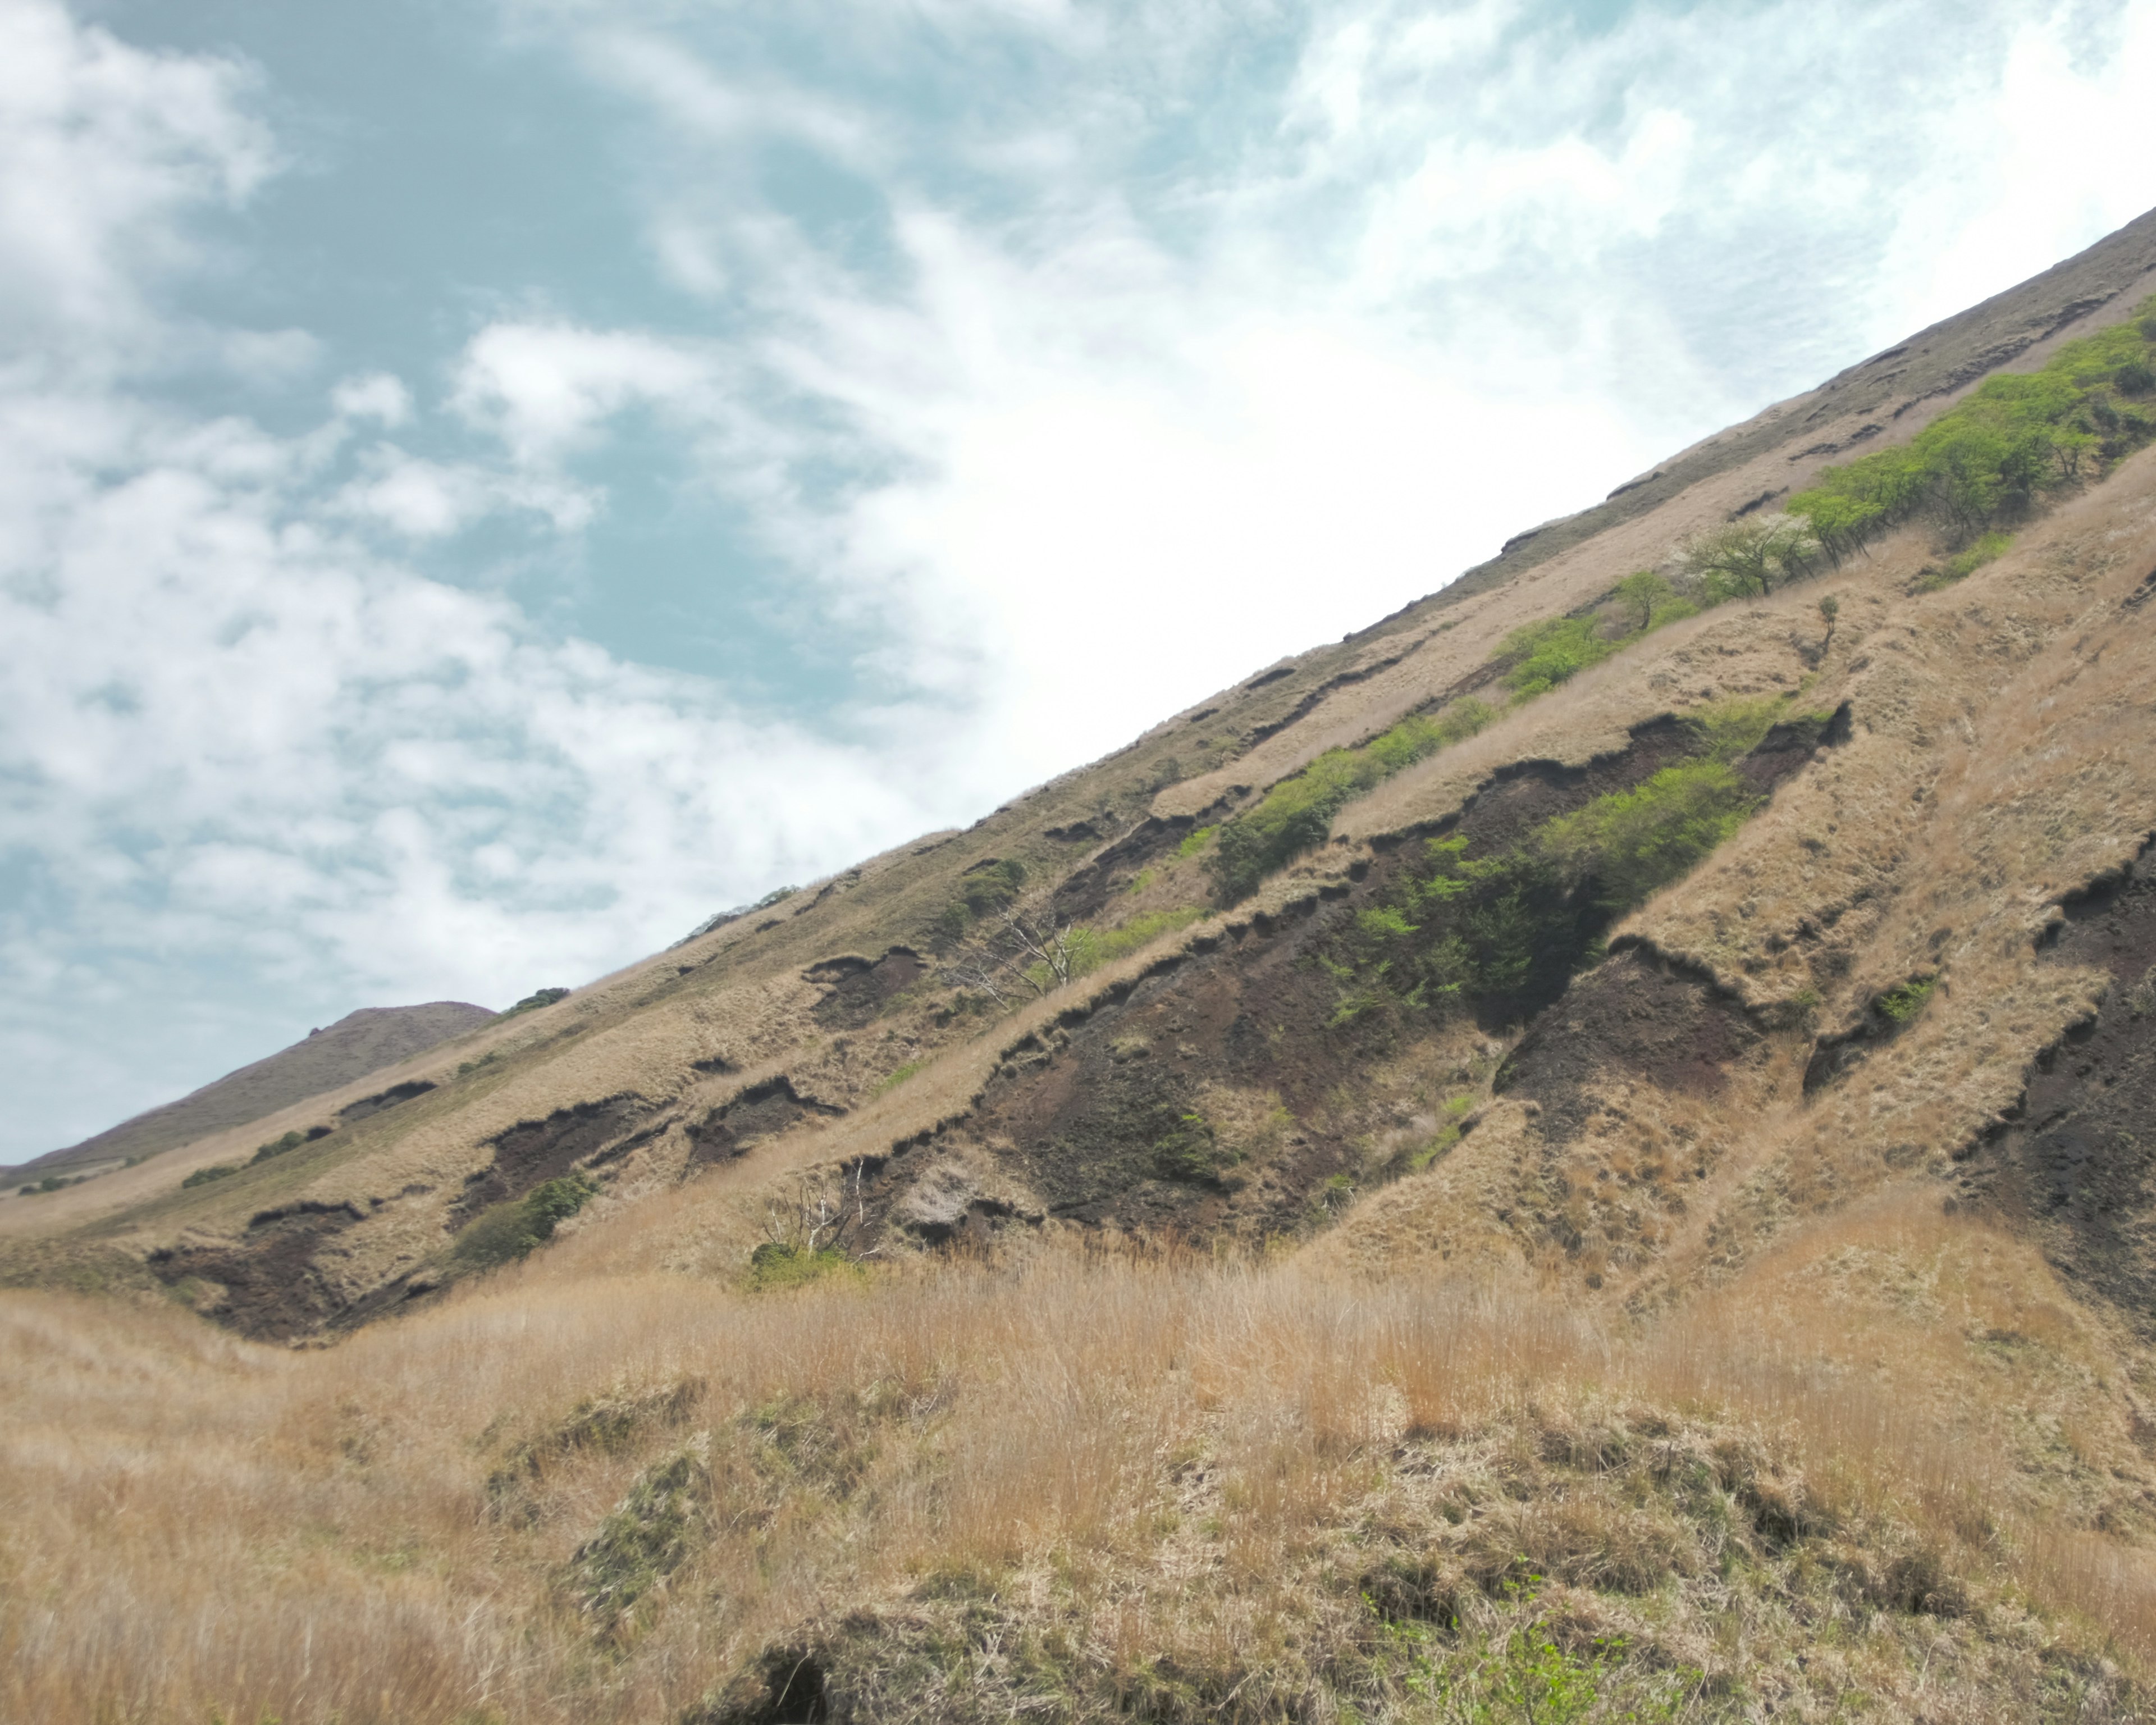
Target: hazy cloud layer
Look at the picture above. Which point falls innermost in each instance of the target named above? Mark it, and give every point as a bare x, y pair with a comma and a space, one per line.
1028, 370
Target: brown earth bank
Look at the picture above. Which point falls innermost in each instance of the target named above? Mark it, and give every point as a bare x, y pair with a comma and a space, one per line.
1410, 1191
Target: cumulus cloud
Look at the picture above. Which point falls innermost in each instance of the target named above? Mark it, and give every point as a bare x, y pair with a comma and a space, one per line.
101, 145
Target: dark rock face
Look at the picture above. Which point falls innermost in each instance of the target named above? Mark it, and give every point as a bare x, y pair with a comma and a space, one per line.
2078, 1159
763, 1110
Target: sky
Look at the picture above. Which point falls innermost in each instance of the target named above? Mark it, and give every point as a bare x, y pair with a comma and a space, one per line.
485, 484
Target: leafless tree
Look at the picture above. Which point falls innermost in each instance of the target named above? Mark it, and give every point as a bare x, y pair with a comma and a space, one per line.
1019, 951
824, 1216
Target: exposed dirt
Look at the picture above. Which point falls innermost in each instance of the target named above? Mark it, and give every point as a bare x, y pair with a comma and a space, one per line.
1112, 1120
274, 1290
858, 989
2078, 1160
763, 1110
535, 1151
1089, 887
1636, 1015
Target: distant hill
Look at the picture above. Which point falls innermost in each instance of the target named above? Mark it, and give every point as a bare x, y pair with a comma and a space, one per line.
359, 1043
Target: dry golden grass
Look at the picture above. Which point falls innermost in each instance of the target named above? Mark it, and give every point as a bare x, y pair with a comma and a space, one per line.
1144, 1457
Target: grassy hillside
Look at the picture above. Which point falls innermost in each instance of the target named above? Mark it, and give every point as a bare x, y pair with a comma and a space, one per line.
1578, 1155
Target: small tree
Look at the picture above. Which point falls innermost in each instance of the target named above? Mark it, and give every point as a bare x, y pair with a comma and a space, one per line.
1749, 559
1021, 951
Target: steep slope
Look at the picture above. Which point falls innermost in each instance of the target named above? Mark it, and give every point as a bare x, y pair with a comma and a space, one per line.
1580, 1153
1220, 1078
358, 1043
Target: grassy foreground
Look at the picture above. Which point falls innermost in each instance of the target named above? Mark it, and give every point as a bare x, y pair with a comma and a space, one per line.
1075, 1486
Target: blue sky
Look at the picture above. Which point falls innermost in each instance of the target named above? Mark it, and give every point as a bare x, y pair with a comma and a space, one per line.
486, 485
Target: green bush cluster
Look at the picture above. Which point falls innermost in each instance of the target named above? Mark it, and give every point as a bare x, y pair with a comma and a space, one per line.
54, 1182
1539, 656
982, 891
1296, 814
1089, 948
216, 1170
1989, 547
1502, 933
1899, 1004
778, 1264
2016, 438
284, 1146
514, 1228
533, 1001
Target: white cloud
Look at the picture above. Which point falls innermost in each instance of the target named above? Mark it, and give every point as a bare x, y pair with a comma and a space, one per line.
545, 387
101, 145
377, 396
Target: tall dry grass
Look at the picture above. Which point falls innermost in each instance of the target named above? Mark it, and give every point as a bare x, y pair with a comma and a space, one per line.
385, 1530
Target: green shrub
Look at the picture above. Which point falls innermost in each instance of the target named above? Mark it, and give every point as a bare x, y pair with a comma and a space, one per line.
280, 1147
1296, 814
1995, 456
1194, 842
982, 891
532, 1002
776, 1264
1539, 656
1631, 843
1899, 1004
1552, 652
215, 1171
517, 1226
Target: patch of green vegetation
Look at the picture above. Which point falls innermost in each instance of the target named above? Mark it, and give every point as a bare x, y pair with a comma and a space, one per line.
1193, 843
653, 1529
2017, 439
1899, 1004
518, 1226
1633, 843
1447, 1135
1296, 814
1500, 934
216, 1170
779, 1263
533, 1001
984, 889
1110, 944
1190, 1152
1730, 728
284, 1146
900, 1076
1551, 652
1521, 1672
1541, 655
1988, 548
